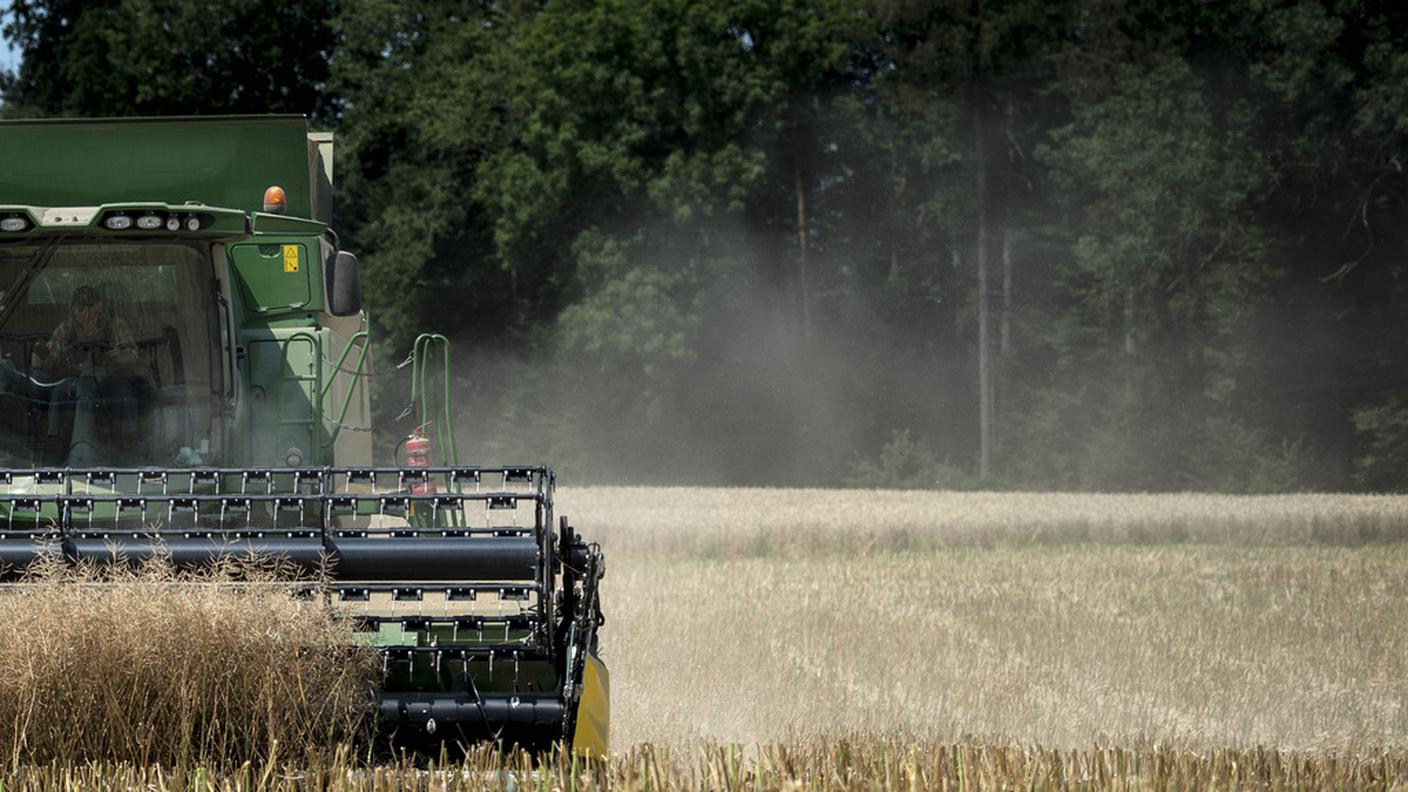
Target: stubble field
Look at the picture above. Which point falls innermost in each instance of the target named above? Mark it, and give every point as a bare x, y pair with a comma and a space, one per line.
1059, 620
788, 639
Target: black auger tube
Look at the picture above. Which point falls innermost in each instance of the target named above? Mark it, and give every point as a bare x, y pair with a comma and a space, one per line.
481, 558
530, 720
192, 552
434, 558
16, 555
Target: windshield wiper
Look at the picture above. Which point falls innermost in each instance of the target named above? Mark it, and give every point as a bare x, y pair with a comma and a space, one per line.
21, 288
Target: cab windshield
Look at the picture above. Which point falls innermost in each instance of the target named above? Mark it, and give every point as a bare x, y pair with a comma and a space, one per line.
109, 354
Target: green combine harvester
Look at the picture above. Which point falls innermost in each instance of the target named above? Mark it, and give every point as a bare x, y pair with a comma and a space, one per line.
184, 371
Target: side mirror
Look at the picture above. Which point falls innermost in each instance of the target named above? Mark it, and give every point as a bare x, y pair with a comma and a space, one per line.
344, 285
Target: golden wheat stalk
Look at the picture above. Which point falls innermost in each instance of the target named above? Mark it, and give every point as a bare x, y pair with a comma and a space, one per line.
156, 666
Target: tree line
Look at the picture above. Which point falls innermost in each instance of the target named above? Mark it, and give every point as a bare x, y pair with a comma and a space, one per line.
1077, 244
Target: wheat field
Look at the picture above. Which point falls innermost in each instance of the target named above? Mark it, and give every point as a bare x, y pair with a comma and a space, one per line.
793, 639
1060, 620
711, 522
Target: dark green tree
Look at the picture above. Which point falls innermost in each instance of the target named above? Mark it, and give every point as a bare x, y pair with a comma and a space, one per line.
1230, 178
656, 191
421, 105
161, 57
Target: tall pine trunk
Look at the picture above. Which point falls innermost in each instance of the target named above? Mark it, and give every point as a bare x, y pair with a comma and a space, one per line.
800, 185
985, 396
1005, 328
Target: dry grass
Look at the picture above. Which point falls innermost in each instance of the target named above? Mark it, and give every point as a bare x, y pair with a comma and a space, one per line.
1053, 619
156, 668
831, 765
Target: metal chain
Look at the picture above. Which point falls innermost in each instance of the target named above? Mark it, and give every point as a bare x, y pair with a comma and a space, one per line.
409, 357
349, 427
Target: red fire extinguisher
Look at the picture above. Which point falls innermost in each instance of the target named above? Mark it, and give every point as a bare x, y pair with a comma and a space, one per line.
418, 456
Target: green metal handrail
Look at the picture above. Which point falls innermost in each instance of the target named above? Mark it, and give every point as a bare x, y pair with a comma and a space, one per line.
315, 406
420, 388
364, 336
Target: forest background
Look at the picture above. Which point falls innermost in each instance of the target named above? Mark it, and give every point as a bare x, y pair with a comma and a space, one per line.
1046, 244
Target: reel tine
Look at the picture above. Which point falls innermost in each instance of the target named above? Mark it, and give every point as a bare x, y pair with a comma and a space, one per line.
147, 478
203, 478
92, 477
309, 480
129, 506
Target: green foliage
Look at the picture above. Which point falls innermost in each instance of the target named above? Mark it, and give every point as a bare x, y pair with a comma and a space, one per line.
159, 57
1384, 466
634, 114
905, 463
421, 106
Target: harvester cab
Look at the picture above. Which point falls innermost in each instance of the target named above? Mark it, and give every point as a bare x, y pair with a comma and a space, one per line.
184, 366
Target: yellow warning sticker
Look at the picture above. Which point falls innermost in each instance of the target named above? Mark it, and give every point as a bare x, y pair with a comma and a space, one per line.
290, 258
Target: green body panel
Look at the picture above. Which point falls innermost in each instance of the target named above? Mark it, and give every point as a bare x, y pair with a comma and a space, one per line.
224, 162
264, 224
274, 278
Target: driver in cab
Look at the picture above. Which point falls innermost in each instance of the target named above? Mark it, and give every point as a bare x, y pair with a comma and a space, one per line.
93, 354
89, 337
